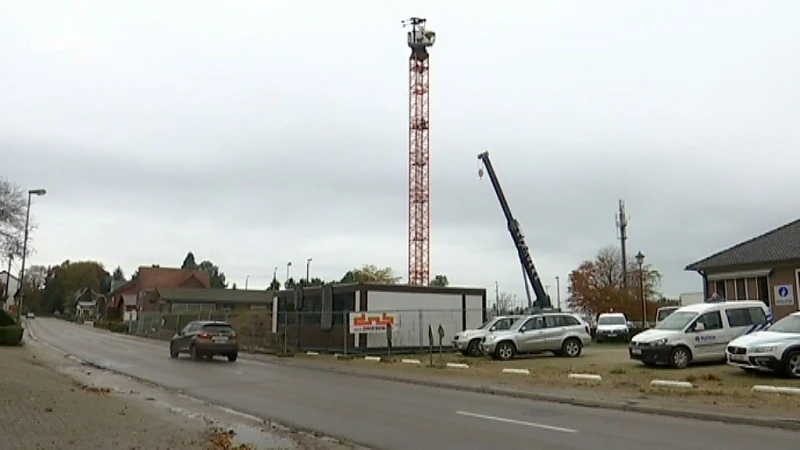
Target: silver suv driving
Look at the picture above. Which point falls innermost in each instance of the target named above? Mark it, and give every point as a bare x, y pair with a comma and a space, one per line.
563, 334
468, 342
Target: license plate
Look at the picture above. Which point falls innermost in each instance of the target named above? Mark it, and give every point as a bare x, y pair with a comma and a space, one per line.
636, 351
220, 339
740, 358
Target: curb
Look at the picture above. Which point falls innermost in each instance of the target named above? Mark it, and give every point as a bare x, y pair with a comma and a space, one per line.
585, 377
784, 423
517, 371
671, 384
776, 389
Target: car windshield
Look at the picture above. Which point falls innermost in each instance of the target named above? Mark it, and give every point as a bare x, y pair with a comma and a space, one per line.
663, 313
789, 324
611, 320
676, 321
486, 324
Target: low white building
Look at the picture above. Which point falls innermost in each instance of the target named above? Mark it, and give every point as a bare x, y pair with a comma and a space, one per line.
10, 287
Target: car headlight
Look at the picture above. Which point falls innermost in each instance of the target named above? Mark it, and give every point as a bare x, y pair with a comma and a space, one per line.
488, 339
658, 342
763, 349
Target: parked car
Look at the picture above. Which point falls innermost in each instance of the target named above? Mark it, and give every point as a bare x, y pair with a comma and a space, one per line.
776, 349
468, 342
612, 327
205, 338
563, 334
698, 333
30, 315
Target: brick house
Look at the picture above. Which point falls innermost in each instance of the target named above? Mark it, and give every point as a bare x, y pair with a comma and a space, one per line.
133, 296
766, 268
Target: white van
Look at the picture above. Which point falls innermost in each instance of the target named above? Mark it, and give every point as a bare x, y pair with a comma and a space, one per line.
610, 327
698, 333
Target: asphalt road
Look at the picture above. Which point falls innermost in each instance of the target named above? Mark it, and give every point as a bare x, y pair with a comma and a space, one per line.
396, 415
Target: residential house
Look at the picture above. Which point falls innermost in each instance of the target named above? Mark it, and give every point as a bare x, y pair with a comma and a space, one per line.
766, 268
129, 298
8, 293
84, 303
197, 300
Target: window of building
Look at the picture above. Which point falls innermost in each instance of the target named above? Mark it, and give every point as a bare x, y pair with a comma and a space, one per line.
741, 289
719, 288
178, 307
762, 284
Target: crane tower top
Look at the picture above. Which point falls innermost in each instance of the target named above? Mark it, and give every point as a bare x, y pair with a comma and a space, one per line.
419, 38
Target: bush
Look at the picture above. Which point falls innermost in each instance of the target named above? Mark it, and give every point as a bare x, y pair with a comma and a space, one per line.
117, 327
6, 319
100, 324
10, 335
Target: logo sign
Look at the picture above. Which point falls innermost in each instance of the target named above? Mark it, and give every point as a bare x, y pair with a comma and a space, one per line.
784, 295
364, 322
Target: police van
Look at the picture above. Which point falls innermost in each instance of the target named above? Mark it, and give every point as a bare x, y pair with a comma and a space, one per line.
698, 333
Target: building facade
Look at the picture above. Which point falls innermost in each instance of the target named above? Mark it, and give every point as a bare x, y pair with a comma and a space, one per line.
765, 268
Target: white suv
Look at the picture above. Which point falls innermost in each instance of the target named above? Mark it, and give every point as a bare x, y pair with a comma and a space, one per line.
776, 349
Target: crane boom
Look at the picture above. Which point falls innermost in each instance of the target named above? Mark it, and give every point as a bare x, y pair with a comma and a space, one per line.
542, 300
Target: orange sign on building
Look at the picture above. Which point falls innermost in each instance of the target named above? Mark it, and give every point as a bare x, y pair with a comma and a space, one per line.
372, 323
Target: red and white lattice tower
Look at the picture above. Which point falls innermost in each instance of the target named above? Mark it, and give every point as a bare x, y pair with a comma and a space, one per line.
419, 196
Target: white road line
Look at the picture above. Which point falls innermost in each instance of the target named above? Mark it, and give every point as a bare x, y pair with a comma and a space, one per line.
517, 422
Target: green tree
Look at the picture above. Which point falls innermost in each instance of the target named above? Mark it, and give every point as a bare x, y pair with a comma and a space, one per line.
275, 285
118, 274
34, 284
217, 277
440, 281
189, 262
233, 287
369, 273
289, 284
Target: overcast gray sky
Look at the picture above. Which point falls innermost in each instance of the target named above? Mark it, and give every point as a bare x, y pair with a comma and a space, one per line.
255, 133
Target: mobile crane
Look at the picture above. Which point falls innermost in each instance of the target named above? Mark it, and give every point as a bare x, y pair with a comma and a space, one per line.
542, 299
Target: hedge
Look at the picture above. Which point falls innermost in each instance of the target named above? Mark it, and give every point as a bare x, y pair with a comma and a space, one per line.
11, 335
6, 319
118, 327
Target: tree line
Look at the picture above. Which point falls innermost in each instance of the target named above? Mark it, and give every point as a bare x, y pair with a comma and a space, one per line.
52, 288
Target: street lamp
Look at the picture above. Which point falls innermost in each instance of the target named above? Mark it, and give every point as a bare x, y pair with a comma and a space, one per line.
308, 269
31, 193
288, 265
246, 280
640, 262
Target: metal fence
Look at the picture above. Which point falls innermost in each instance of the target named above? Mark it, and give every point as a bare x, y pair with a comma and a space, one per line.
317, 331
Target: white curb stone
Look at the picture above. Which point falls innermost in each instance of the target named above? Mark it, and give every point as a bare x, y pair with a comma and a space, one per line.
776, 389
372, 358
411, 361
457, 366
671, 384
517, 371
585, 377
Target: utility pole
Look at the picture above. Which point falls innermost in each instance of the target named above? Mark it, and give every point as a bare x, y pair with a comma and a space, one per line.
558, 292
8, 278
622, 227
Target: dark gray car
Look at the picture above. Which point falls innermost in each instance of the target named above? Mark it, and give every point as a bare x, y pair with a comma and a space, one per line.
205, 338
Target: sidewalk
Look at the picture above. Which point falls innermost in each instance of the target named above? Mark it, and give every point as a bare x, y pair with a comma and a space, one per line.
41, 408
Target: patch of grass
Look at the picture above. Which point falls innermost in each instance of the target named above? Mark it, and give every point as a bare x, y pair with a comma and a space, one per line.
620, 374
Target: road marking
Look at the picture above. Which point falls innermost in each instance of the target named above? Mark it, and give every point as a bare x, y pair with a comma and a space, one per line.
517, 422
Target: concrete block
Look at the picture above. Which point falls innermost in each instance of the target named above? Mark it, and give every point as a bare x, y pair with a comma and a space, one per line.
372, 358
776, 389
585, 377
410, 361
312, 353
671, 384
517, 371
457, 366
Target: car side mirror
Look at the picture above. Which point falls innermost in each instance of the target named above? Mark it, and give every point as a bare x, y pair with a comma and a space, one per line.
493, 329
699, 327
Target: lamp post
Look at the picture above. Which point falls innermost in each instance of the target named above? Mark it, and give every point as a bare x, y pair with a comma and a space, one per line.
558, 292
640, 262
31, 193
246, 280
288, 265
308, 269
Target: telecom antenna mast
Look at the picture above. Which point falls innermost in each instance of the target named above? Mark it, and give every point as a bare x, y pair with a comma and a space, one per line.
419, 195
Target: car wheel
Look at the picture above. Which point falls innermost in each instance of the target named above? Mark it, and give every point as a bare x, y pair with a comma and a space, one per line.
193, 353
474, 348
505, 351
173, 351
792, 368
571, 348
232, 356
680, 358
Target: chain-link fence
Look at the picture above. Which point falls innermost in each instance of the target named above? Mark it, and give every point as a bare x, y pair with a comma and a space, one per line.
331, 332
254, 328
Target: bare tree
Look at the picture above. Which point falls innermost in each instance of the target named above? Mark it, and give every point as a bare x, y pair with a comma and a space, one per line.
13, 203
504, 304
